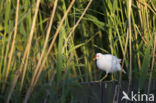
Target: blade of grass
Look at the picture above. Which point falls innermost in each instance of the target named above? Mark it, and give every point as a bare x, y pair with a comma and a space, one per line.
7, 13
152, 67
145, 65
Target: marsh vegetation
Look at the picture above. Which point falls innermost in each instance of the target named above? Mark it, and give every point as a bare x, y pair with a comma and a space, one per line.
47, 46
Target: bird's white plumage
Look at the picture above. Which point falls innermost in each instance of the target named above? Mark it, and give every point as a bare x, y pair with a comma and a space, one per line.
108, 63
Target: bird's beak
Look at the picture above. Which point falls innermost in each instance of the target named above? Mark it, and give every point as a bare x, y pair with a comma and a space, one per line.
95, 58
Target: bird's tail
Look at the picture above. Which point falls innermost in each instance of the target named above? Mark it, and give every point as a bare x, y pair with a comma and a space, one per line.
123, 71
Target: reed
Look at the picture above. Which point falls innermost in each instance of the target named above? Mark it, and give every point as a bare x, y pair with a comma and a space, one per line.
47, 47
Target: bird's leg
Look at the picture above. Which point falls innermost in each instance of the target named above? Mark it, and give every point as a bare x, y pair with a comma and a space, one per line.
112, 78
104, 77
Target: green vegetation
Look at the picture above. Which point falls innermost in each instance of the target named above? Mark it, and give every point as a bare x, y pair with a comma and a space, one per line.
47, 47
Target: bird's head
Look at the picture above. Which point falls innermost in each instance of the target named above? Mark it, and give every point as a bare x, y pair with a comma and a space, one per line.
97, 56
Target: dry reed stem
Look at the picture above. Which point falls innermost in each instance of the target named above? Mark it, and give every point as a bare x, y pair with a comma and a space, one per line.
22, 81
139, 10
130, 45
144, 3
49, 50
18, 73
124, 56
13, 84
137, 47
53, 41
141, 35
153, 10
25, 53
128, 37
152, 67
45, 43
153, 5
73, 29
123, 61
148, 34
12, 46
7, 55
30, 39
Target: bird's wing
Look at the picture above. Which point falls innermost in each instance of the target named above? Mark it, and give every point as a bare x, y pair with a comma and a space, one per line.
123, 71
116, 60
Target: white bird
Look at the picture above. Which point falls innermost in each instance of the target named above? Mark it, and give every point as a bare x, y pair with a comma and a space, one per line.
108, 63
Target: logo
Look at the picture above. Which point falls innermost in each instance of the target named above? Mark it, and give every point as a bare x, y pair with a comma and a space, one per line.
137, 97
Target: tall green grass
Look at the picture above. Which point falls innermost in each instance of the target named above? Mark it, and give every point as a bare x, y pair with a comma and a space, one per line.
53, 52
